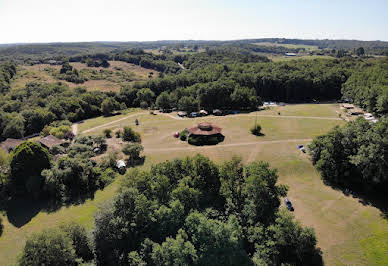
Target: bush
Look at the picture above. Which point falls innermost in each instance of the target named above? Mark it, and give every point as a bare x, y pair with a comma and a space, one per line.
50, 247
183, 135
107, 132
133, 151
118, 133
130, 135
256, 130
143, 105
205, 140
29, 159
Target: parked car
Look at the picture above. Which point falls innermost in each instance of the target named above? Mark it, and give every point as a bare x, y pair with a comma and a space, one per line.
289, 204
193, 114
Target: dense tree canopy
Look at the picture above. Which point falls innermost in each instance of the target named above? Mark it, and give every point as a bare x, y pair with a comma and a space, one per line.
354, 156
192, 212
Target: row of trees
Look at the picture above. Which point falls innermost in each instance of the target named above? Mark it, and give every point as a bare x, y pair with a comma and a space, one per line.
368, 87
354, 156
188, 212
290, 81
7, 71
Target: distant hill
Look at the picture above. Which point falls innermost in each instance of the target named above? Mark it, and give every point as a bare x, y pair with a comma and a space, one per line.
49, 50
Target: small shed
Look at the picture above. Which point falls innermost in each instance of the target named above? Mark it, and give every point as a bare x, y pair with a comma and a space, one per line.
121, 166
50, 141
10, 144
356, 111
204, 129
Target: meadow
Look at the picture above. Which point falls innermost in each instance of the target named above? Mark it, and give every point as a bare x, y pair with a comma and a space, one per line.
348, 232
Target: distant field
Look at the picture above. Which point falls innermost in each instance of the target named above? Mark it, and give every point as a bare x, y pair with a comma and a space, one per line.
292, 46
348, 232
39, 73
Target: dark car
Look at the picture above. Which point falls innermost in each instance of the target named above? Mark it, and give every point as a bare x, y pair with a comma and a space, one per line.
289, 204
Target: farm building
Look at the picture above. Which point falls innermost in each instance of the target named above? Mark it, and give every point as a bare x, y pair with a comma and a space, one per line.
10, 144
50, 141
290, 54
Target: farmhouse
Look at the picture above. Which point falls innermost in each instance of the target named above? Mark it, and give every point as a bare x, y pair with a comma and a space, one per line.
50, 141
10, 144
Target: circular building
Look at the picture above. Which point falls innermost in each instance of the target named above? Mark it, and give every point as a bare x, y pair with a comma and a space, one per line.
205, 134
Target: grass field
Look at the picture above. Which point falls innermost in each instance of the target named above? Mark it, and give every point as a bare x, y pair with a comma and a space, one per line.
39, 73
287, 45
348, 232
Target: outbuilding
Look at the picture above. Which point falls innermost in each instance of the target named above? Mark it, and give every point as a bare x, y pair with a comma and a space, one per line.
10, 144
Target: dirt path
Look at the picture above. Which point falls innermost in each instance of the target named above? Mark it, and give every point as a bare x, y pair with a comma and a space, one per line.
226, 145
111, 123
74, 128
253, 154
272, 116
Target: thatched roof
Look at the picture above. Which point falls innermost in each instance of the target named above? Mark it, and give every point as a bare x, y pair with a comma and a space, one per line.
10, 144
204, 129
50, 141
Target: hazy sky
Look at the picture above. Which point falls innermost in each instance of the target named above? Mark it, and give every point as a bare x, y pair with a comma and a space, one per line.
147, 20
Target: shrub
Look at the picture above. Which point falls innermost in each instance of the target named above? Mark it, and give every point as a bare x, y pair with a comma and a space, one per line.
50, 247
130, 135
118, 133
183, 135
143, 105
107, 132
256, 130
133, 151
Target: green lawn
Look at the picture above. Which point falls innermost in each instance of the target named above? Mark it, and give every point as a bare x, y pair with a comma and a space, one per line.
348, 232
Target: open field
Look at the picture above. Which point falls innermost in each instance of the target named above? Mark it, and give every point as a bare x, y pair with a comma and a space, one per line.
287, 45
40, 73
348, 232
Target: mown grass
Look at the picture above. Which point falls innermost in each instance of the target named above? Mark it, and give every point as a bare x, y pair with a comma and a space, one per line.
348, 232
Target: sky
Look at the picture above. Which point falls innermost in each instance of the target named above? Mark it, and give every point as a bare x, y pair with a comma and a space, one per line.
29, 21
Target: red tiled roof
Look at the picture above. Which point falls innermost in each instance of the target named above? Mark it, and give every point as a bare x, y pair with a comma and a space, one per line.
204, 129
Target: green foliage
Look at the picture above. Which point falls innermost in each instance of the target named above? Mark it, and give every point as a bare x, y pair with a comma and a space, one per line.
109, 105
130, 135
133, 150
193, 212
353, 156
163, 101
188, 104
50, 247
368, 88
256, 130
28, 161
65, 245
118, 133
107, 132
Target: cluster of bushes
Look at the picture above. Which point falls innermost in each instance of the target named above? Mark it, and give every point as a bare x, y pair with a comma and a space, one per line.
97, 63
354, 156
66, 245
130, 135
256, 130
71, 178
70, 74
60, 129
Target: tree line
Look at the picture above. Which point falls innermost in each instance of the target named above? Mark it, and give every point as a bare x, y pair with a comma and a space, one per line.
186, 212
354, 156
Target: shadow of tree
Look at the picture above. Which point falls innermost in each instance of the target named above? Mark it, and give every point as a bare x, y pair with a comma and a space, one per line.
375, 199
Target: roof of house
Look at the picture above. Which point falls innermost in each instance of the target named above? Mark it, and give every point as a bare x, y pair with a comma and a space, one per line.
10, 144
50, 141
204, 129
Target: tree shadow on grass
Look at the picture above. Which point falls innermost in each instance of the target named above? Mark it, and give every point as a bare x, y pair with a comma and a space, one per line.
375, 199
20, 211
